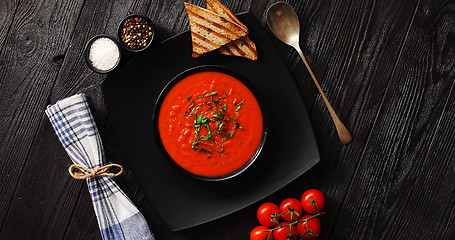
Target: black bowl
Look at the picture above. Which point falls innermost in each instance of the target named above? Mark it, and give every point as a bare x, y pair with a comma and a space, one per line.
87, 51
120, 27
189, 72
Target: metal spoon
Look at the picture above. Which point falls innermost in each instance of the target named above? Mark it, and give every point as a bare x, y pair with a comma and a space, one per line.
284, 23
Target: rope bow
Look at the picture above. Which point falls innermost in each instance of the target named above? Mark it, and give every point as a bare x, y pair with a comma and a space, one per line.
100, 171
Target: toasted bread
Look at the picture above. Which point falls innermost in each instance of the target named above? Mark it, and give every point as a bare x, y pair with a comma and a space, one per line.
217, 7
242, 47
210, 31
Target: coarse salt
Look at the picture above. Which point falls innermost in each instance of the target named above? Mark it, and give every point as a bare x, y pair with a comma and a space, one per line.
104, 54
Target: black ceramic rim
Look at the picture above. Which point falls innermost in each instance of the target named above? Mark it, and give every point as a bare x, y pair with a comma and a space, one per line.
87, 52
187, 73
119, 32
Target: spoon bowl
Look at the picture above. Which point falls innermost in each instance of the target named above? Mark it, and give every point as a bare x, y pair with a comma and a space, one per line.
284, 23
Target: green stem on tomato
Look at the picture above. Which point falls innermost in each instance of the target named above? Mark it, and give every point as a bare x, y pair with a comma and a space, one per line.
292, 213
297, 221
313, 202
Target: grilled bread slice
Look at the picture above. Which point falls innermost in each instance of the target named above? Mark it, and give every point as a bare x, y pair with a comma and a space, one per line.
210, 31
242, 47
217, 7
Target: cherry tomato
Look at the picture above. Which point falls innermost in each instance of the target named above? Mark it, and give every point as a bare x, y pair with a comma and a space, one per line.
310, 197
310, 229
285, 233
291, 209
260, 233
268, 214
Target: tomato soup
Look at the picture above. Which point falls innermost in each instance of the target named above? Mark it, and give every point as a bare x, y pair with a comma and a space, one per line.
210, 124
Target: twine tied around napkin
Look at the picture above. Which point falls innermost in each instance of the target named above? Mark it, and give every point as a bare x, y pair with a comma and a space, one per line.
99, 171
75, 127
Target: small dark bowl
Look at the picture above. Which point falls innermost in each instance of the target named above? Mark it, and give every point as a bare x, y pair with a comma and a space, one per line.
87, 51
189, 72
120, 27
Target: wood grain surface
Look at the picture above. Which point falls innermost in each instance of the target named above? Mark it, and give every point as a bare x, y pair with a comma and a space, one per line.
388, 68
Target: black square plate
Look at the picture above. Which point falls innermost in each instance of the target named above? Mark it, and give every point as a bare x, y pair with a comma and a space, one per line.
131, 92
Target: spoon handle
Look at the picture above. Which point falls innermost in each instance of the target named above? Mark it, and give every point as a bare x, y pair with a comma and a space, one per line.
343, 133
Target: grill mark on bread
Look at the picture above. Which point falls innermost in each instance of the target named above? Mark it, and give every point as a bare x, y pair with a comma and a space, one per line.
210, 31
225, 51
204, 43
217, 7
233, 49
217, 20
238, 45
220, 31
246, 41
197, 49
243, 46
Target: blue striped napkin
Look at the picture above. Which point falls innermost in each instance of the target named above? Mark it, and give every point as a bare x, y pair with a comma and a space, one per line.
117, 216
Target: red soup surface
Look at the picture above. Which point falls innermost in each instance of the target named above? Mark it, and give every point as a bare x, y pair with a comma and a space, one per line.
210, 124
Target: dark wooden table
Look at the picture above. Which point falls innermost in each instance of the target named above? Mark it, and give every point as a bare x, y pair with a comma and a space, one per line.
388, 68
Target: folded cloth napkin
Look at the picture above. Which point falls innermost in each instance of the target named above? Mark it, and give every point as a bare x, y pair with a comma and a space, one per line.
117, 216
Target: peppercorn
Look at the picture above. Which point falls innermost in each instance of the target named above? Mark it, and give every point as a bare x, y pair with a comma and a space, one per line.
136, 33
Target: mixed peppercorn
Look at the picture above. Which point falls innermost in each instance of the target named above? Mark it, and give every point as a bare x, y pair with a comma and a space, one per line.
136, 33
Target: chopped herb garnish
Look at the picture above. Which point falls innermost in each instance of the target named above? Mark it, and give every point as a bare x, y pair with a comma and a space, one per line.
232, 117
201, 149
199, 120
239, 105
218, 115
195, 109
196, 132
226, 124
229, 135
226, 136
220, 126
219, 150
218, 102
223, 97
195, 143
208, 94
